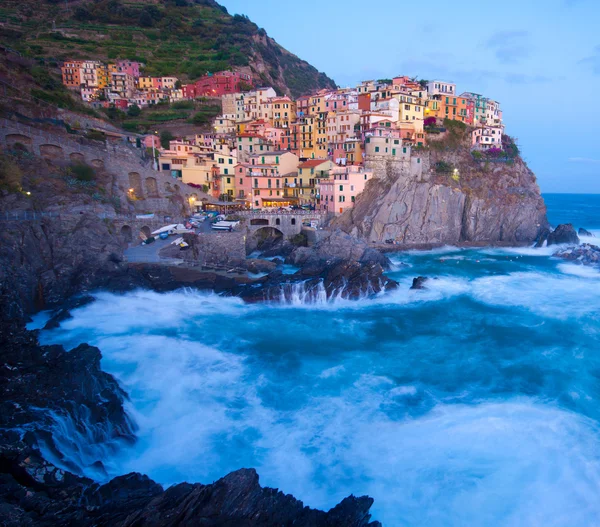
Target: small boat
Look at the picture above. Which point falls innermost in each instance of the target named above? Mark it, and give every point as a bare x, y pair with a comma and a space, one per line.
224, 225
163, 235
167, 228
145, 216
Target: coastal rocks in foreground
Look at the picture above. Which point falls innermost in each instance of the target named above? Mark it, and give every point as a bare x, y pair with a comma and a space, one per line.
585, 254
42, 386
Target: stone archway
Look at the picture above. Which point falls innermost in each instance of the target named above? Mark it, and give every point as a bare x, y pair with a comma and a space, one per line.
151, 187
98, 163
146, 230
76, 157
259, 221
126, 233
135, 183
263, 239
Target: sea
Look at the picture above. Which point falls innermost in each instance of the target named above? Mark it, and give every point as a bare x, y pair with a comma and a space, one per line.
473, 402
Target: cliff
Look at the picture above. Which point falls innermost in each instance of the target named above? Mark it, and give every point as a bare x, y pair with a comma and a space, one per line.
446, 196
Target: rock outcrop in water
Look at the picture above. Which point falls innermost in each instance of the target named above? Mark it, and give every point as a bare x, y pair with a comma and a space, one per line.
585, 254
338, 265
562, 234
482, 202
585, 232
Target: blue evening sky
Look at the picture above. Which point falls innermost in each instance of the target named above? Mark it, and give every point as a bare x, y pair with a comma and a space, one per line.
539, 58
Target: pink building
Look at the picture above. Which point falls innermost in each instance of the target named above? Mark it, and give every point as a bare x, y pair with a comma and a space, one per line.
130, 67
260, 185
338, 192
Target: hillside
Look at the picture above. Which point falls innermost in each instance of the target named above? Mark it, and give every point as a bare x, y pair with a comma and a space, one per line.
184, 38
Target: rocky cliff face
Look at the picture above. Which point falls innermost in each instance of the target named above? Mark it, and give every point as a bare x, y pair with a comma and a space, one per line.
480, 203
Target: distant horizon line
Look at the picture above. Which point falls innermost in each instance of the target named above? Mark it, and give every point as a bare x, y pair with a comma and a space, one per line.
573, 193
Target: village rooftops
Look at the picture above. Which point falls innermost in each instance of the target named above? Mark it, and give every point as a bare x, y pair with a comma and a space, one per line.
273, 153
312, 163
250, 165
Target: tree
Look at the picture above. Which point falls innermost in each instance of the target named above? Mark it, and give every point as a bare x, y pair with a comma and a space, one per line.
134, 110
165, 138
178, 85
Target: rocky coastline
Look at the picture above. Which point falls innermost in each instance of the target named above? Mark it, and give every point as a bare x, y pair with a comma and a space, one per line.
47, 390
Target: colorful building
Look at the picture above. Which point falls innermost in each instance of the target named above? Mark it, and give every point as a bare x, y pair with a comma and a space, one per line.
338, 192
222, 82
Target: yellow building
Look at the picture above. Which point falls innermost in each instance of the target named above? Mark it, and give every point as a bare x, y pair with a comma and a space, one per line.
411, 110
145, 83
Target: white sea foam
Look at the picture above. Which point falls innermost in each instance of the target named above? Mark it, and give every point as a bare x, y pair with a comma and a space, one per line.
583, 271
543, 293
327, 428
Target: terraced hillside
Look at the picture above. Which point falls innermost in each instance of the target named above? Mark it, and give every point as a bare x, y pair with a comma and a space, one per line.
184, 38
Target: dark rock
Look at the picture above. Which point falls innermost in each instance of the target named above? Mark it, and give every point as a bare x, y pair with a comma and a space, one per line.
64, 313
419, 282
542, 238
585, 232
564, 233
585, 254
255, 265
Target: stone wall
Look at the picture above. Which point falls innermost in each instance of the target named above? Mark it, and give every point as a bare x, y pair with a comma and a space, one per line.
216, 248
152, 190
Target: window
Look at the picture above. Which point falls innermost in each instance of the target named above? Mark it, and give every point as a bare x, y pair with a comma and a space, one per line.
226, 171
404, 150
256, 182
376, 149
341, 188
393, 151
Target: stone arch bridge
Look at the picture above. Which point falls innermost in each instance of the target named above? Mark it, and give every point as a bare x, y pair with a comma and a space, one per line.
289, 223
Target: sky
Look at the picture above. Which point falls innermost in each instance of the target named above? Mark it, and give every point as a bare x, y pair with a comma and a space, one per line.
539, 58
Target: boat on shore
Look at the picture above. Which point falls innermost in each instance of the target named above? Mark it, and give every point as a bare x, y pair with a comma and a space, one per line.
224, 225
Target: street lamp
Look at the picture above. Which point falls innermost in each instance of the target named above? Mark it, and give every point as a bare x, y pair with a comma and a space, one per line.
154, 160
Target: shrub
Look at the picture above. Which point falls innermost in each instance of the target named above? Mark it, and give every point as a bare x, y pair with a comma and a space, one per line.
300, 240
11, 176
443, 167
134, 110
429, 121
165, 138
82, 172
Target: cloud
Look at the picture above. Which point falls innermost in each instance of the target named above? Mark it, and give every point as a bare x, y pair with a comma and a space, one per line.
510, 47
587, 160
593, 61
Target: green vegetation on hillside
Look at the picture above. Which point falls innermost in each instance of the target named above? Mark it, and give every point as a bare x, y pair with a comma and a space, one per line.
184, 38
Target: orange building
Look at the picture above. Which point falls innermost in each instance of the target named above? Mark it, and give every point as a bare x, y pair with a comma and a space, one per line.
71, 74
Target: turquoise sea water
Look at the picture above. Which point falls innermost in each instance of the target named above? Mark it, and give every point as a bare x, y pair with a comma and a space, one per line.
474, 402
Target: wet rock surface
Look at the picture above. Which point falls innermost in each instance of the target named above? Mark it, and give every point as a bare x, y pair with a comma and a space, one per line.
564, 233
585, 232
585, 254
338, 265
419, 282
